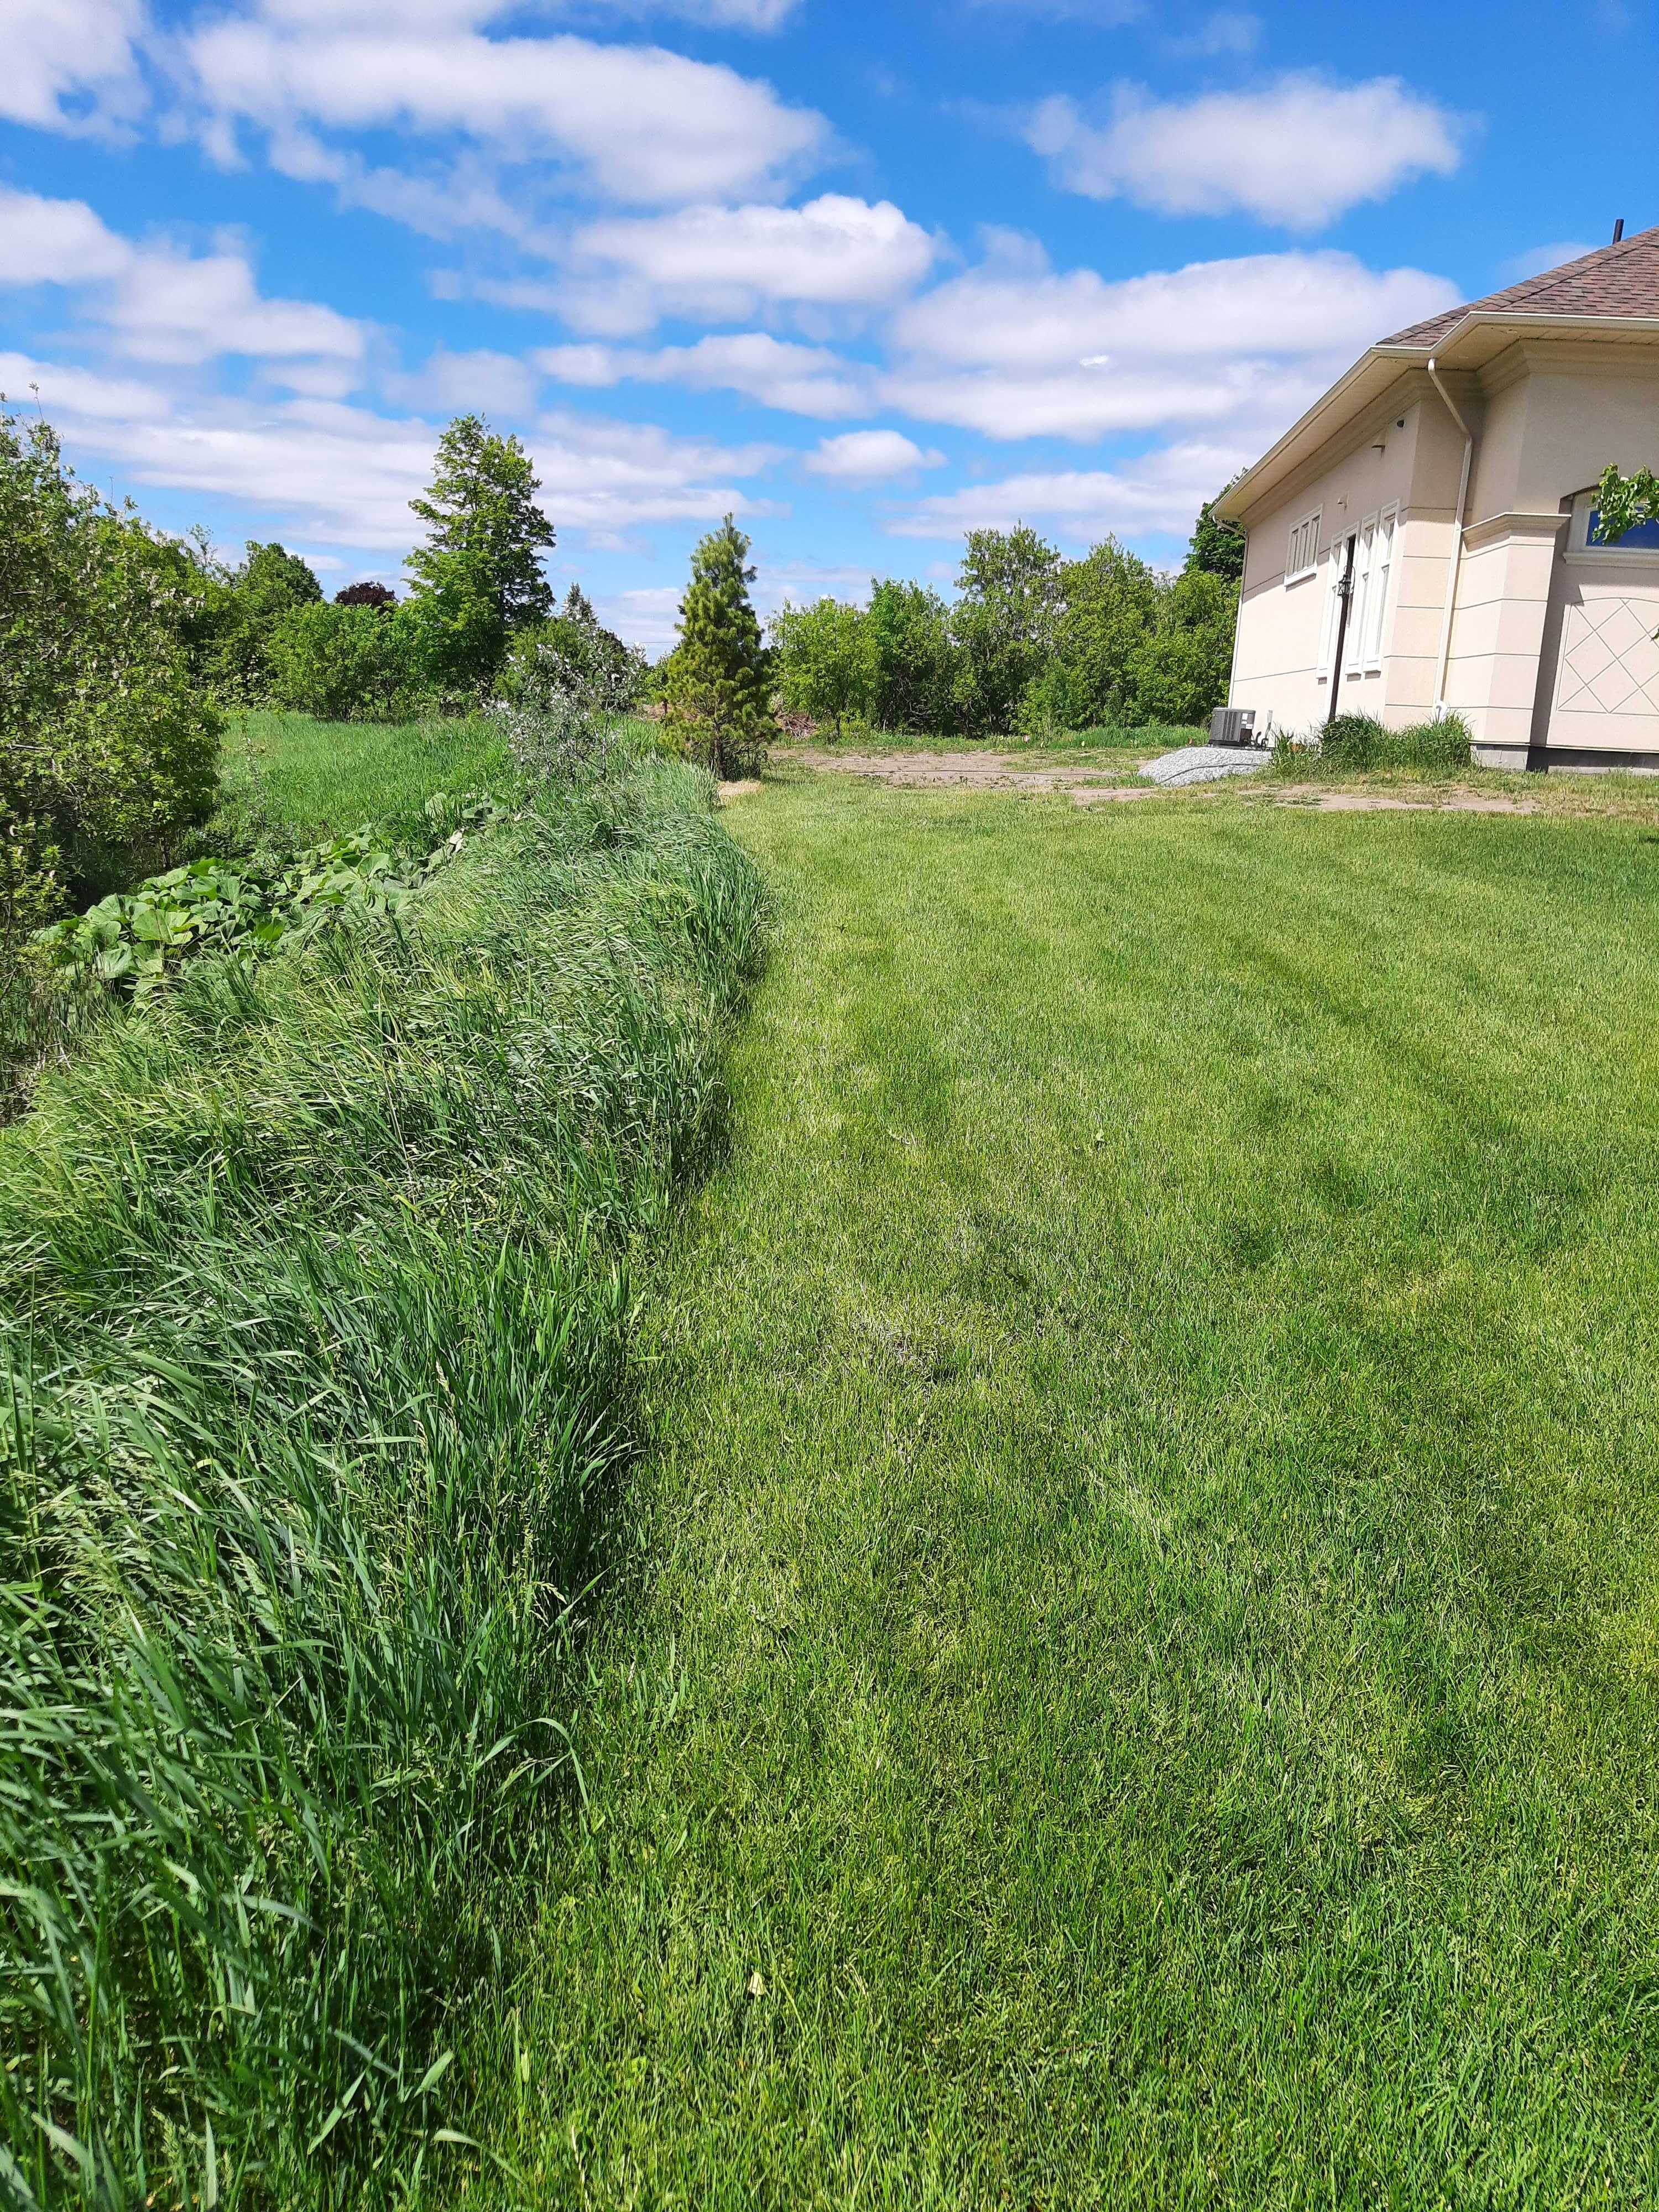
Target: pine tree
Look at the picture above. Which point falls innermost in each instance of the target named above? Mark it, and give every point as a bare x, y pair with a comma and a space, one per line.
478, 577
717, 685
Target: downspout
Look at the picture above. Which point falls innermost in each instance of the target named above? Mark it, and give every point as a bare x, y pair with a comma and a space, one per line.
1238, 618
1457, 541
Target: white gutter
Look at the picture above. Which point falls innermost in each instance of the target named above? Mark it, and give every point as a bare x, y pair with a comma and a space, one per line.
1457, 542
1238, 619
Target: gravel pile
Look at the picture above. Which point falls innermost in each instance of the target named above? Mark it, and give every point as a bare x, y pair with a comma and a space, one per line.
1204, 763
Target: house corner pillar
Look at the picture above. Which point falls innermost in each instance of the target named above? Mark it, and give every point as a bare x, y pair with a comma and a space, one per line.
1497, 632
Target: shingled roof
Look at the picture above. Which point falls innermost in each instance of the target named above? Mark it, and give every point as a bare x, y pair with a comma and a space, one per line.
1616, 280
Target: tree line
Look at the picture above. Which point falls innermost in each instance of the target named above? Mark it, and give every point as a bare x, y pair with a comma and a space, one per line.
1032, 643
122, 647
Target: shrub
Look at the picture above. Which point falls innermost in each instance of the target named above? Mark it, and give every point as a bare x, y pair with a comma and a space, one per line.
1111, 604
348, 664
1182, 668
108, 742
821, 655
912, 658
571, 650
1056, 702
1003, 624
245, 605
137, 941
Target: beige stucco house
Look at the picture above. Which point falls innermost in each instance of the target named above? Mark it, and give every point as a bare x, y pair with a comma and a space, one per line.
1448, 477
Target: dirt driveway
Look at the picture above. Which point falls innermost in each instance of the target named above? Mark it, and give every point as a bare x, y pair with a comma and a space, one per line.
1091, 782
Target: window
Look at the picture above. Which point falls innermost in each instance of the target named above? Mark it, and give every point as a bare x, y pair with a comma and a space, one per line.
1641, 544
1303, 558
1376, 602
1334, 560
1359, 598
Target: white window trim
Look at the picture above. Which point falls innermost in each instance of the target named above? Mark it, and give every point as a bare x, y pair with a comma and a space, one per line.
1309, 523
1328, 613
1353, 645
1580, 549
1369, 658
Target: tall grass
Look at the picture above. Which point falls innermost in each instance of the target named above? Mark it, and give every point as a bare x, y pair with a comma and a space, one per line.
314, 1316
1353, 745
317, 779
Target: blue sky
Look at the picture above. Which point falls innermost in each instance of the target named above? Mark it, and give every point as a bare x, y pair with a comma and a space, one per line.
867, 274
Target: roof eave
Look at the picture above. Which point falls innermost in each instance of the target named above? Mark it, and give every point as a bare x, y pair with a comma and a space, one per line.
1361, 383
1464, 345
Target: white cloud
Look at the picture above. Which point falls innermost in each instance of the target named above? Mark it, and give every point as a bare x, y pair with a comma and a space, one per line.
1015, 349
646, 617
490, 383
339, 473
1160, 491
160, 303
1539, 258
644, 126
718, 14
865, 456
70, 64
343, 475
607, 477
81, 396
726, 264
797, 379
57, 242
470, 15
1298, 152
1229, 32
1105, 15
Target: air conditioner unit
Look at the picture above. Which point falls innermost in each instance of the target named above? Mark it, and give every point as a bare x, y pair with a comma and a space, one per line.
1233, 725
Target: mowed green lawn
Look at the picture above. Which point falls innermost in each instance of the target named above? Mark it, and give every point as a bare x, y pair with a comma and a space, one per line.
1129, 1675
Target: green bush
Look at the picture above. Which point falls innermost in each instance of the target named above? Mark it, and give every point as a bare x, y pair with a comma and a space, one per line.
315, 1333
570, 651
821, 654
353, 664
137, 940
243, 607
108, 743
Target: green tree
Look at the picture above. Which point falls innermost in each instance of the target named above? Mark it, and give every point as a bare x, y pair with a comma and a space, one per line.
354, 663
1217, 549
1181, 667
1110, 605
1003, 623
245, 604
108, 742
823, 658
912, 657
717, 692
478, 577
1624, 502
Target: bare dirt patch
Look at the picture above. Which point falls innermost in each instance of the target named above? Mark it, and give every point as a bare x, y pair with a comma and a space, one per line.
1385, 802
975, 771
1092, 779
